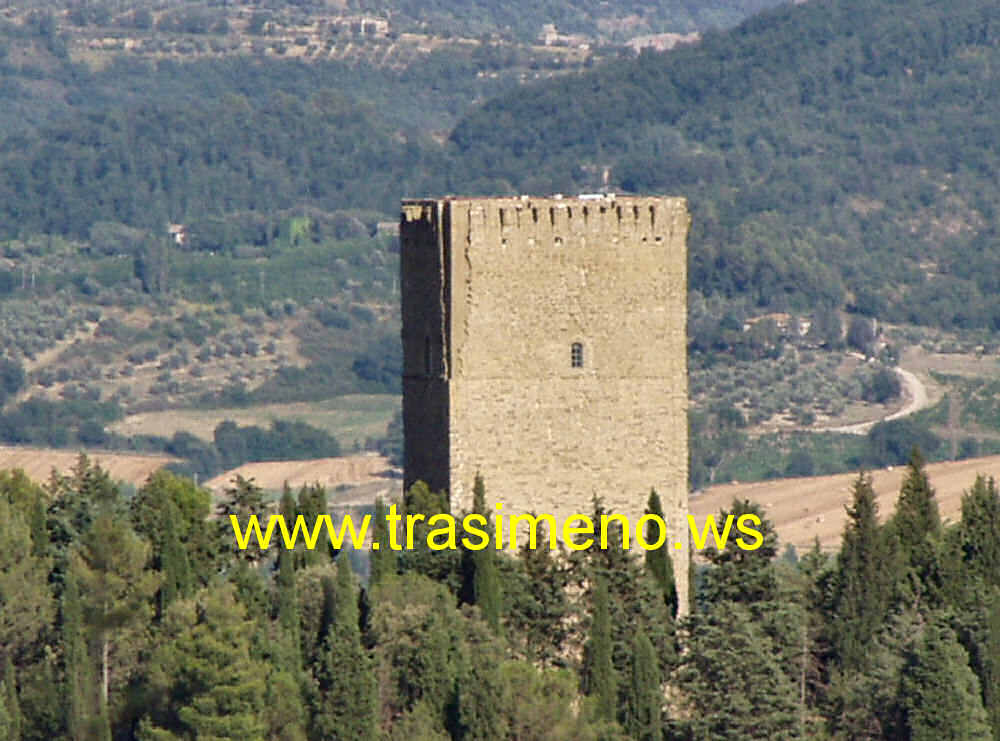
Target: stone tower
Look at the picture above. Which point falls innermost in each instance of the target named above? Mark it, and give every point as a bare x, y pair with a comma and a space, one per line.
544, 346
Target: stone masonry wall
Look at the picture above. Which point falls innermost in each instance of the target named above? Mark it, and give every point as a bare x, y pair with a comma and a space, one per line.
524, 279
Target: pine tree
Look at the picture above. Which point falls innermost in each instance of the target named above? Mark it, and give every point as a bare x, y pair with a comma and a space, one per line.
740, 575
348, 699
444, 566
940, 693
243, 499
658, 561
599, 671
539, 607
173, 515
286, 716
115, 585
732, 681
646, 699
26, 604
476, 714
211, 683
383, 560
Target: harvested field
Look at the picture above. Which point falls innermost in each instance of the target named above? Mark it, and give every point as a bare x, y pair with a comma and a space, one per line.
38, 463
348, 418
367, 475
806, 508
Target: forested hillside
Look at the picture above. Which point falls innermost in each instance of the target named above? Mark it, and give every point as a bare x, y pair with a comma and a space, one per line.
515, 19
832, 152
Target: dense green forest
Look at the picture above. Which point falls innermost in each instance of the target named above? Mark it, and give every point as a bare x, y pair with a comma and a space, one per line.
833, 153
132, 615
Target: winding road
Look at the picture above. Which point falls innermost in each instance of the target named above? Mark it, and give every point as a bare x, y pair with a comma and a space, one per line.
916, 394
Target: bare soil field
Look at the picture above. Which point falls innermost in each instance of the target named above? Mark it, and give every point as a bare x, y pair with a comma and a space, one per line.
808, 508
960, 364
367, 474
348, 418
38, 463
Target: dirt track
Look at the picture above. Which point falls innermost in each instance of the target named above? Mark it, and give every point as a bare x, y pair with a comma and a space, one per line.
916, 396
806, 508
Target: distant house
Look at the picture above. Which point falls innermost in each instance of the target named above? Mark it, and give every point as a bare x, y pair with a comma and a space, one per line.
662, 41
387, 229
179, 234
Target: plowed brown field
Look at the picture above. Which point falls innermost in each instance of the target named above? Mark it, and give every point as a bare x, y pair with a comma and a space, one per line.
38, 463
808, 508
351, 470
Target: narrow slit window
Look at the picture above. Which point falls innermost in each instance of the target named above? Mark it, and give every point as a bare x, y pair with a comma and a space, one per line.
427, 356
576, 355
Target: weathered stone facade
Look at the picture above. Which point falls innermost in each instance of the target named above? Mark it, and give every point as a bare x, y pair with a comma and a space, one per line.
544, 346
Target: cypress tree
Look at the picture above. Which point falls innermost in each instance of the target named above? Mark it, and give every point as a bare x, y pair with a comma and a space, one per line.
979, 531
5, 720
285, 709
658, 561
646, 698
348, 697
600, 680
174, 565
916, 524
383, 560
312, 504
486, 579
80, 695
10, 709
39, 530
861, 600
286, 603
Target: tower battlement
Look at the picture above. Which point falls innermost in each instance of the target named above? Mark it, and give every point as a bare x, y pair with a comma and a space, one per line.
545, 219
544, 346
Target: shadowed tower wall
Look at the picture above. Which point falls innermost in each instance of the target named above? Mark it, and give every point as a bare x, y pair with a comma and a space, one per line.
544, 346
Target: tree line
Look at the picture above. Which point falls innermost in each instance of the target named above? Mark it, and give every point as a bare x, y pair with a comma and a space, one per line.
137, 617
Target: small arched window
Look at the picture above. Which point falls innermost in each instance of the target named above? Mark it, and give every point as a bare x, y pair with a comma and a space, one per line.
576, 355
